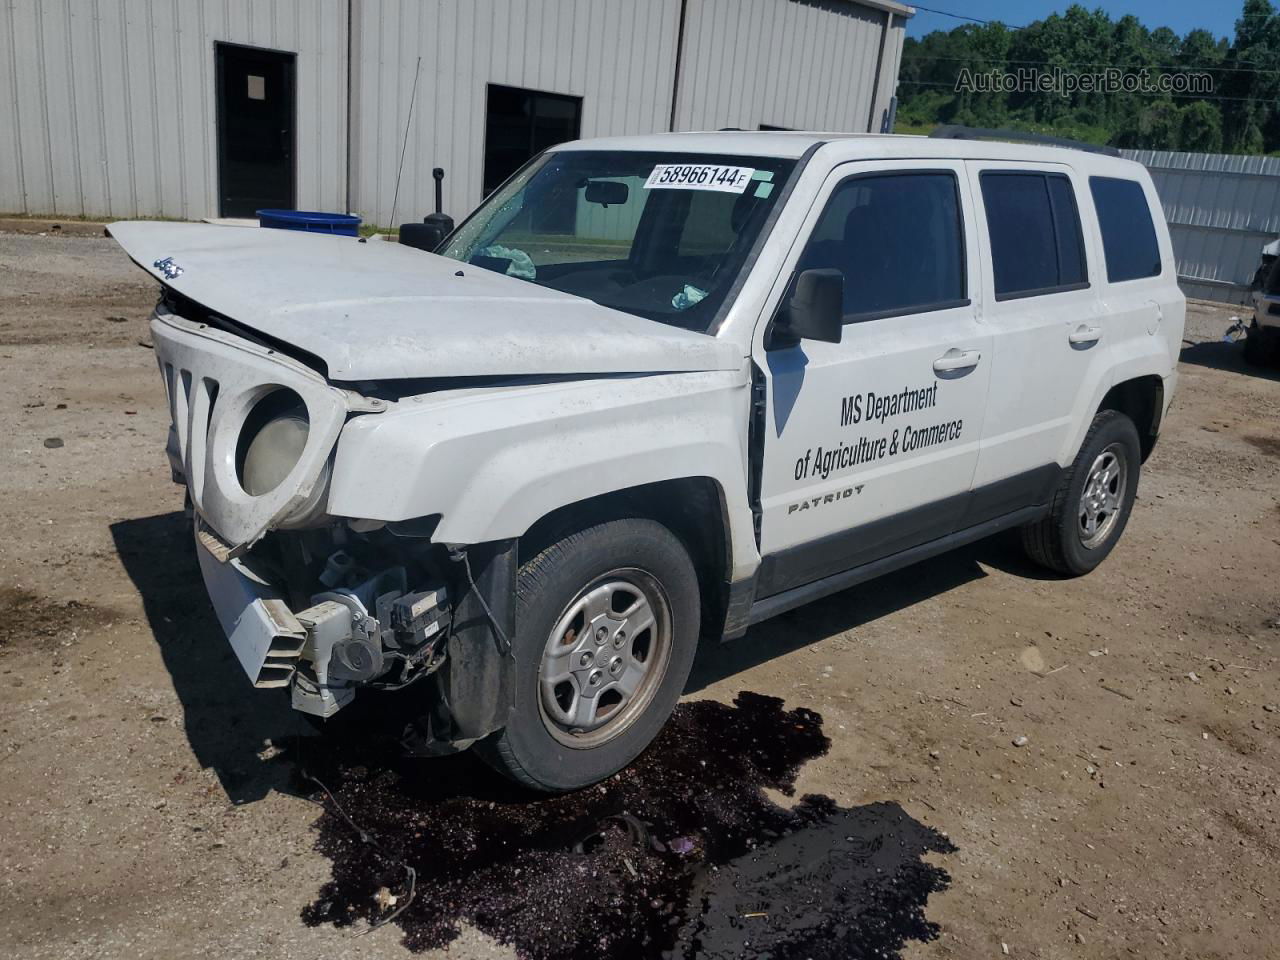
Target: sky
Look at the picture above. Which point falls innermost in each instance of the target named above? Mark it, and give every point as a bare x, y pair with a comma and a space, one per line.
1180, 16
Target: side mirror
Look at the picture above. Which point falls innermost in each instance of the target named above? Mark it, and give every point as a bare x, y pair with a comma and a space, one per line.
812, 310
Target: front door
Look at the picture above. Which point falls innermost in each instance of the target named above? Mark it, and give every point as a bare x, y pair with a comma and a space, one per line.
870, 444
255, 130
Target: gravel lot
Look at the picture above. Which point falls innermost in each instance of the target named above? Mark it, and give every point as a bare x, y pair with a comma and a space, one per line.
146, 812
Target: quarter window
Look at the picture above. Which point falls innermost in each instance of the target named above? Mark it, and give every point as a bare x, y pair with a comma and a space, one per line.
1034, 226
898, 241
1128, 234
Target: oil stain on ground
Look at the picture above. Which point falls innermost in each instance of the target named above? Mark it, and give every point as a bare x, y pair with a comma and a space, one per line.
37, 622
681, 855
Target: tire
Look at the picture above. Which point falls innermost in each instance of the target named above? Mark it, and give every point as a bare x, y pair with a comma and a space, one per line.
1257, 347
1062, 541
556, 738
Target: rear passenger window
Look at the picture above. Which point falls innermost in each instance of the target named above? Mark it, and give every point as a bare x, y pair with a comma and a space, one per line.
897, 238
1128, 235
1034, 226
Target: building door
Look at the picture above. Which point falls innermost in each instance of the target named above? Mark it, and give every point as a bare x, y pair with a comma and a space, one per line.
256, 109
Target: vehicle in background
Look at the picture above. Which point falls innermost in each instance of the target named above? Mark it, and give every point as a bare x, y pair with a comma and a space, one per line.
1262, 343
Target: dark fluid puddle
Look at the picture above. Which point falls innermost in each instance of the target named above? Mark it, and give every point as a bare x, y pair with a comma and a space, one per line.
681, 855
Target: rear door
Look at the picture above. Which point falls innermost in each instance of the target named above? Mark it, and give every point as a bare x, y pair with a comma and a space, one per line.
870, 444
1138, 280
1041, 303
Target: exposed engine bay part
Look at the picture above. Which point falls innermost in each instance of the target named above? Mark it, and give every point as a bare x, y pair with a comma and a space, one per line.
327, 624
473, 688
372, 631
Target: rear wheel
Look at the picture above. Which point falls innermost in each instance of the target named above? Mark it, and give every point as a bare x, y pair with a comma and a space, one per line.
1091, 506
606, 630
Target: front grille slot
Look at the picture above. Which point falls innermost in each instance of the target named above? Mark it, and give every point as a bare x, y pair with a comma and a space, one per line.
191, 403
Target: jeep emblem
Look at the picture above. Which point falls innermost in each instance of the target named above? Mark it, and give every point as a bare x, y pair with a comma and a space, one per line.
169, 267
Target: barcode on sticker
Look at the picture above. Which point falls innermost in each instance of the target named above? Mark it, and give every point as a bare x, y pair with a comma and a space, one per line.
699, 176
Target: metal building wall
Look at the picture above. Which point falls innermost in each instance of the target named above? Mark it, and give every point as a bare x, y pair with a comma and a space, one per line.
618, 55
805, 64
1221, 209
107, 106
802, 64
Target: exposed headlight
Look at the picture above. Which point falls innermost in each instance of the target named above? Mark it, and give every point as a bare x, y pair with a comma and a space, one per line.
271, 441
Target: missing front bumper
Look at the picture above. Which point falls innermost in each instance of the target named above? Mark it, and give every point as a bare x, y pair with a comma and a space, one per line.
373, 631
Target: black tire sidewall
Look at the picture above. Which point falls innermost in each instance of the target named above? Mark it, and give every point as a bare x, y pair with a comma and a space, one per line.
1116, 428
640, 544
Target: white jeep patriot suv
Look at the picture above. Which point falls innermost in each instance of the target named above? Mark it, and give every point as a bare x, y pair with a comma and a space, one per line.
655, 389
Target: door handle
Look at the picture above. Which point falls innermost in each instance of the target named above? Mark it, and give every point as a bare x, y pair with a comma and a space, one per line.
1085, 335
954, 361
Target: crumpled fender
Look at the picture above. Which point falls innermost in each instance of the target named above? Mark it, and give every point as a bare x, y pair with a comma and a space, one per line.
492, 461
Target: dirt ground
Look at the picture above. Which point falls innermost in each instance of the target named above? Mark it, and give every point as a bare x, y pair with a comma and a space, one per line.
144, 811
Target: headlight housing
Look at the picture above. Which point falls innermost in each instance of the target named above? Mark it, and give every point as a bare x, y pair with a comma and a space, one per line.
271, 441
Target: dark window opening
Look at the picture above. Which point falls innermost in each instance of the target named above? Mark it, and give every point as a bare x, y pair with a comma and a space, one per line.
897, 239
520, 124
1128, 234
1037, 246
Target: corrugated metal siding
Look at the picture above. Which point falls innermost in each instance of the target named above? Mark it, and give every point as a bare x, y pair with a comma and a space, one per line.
112, 102
618, 55
1221, 210
887, 87
803, 64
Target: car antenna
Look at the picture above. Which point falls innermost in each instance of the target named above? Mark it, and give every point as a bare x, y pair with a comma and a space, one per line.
405, 145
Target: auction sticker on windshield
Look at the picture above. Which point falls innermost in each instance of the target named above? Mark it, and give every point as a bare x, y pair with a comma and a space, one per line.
699, 176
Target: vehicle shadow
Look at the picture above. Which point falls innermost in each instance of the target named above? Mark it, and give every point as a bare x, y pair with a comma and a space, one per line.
1220, 355
861, 605
232, 727
227, 722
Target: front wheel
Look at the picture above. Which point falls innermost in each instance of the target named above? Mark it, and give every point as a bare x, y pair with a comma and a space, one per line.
606, 629
1091, 506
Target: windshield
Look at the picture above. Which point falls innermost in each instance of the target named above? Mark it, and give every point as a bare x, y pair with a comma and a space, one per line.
659, 235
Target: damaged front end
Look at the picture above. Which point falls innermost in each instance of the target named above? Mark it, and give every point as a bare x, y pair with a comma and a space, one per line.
319, 604
324, 611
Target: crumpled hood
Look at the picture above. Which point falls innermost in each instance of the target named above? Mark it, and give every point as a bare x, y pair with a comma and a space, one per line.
379, 310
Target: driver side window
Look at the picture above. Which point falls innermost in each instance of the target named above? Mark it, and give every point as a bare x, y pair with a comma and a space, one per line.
898, 240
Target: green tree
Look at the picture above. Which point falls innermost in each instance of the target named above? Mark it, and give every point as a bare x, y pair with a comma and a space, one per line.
1200, 128
1239, 114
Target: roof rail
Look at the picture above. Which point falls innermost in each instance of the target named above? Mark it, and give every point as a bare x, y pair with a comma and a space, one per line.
955, 131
